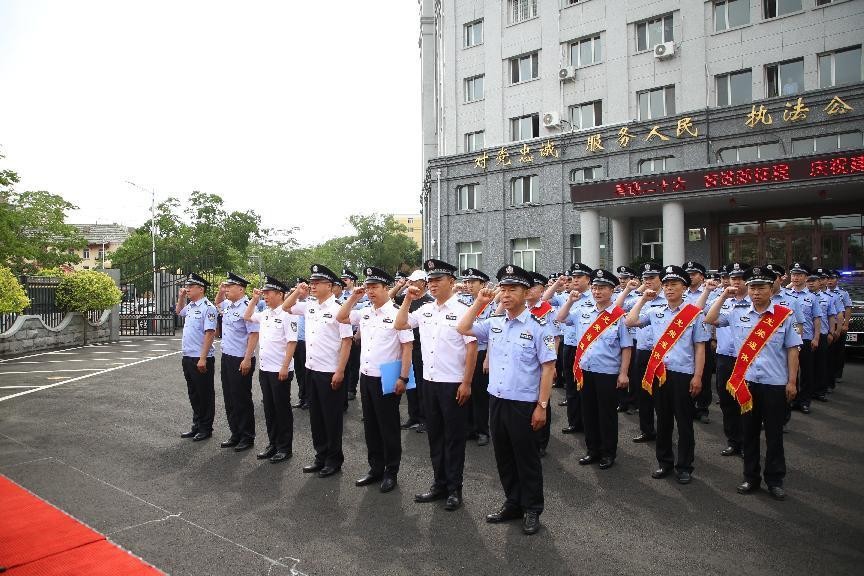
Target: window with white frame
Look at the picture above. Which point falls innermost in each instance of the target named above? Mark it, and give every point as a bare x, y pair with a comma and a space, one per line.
730, 14
774, 8
784, 78
524, 68
828, 143
474, 141
766, 151
473, 33
521, 10
526, 252
734, 88
652, 32
586, 174
651, 243
586, 51
587, 115
575, 248
525, 127
466, 197
656, 103
474, 88
85, 254
657, 165
523, 190
840, 67
470, 255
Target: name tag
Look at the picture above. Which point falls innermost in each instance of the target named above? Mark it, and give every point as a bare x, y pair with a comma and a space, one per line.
277, 320
660, 315
366, 317
495, 330
328, 315
388, 320
745, 318
427, 314
586, 315
450, 317
526, 336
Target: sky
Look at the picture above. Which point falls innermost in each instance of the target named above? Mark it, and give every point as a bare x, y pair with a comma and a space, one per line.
306, 112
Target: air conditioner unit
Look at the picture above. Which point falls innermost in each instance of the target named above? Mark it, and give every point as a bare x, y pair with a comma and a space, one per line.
567, 73
664, 50
551, 119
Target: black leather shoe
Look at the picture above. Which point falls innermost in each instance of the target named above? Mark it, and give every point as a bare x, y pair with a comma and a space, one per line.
621, 409
660, 473
312, 468
562, 403
243, 445
747, 487
531, 523
388, 484
606, 462
683, 477
454, 500
201, 436
230, 443
268, 452
409, 424
504, 514
588, 459
482, 439
189, 434
280, 457
643, 437
434, 493
805, 408
571, 430
328, 471
777, 492
821, 397
421, 428
300, 405
368, 479
730, 451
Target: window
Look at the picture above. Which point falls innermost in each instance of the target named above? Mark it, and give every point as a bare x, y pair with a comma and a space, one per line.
731, 13
473, 141
734, 88
410, 220
840, 67
767, 151
466, 197
785, 78
525, 252
100, 254
524, 68
656, 103
521, 10
827, 143
474, 88
587, 115
473, 33
774, 8
470, 255
823, 2
522, 190
586, 174
604, 253
655, 165
575, 248
653, 32
586, 51
85, 254
651, 244
525, 127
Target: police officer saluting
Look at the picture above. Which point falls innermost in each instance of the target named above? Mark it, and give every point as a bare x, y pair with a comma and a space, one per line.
352, 371
381, 345
199, 330
522, 351
764, 377
475, 280
328, 343
278, 343
239, 339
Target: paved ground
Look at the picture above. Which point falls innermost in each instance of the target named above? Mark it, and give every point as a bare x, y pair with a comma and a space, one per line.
95, 430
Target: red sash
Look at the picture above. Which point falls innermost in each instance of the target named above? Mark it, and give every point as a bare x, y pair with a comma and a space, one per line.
656, 367
759, 335
591, 335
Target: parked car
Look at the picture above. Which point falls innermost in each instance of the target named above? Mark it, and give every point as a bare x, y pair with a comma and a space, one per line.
853, 282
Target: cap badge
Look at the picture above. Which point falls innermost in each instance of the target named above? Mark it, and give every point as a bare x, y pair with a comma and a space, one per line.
668, 269
599, 273
368, 271
315, 268
647, 266
689, 264
756, 270
736, 266
509, 270
430, 265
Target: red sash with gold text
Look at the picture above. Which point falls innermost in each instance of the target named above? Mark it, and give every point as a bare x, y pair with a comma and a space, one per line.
759, 335
656, 367
604, 321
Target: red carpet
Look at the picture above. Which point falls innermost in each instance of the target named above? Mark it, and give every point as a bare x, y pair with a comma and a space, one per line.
38, 539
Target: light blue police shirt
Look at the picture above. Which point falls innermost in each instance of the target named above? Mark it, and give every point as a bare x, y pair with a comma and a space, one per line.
603, 356
200, 317
569, 329
468, 300
682, 356
643, 336
725, 338
810, 309
236, 330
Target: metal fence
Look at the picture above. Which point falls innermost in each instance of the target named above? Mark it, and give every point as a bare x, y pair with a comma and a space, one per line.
42, 292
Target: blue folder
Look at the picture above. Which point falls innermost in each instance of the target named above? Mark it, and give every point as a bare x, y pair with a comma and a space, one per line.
390, 373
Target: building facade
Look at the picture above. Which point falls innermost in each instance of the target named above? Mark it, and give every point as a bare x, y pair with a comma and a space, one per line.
414, 225
614, 131
102, 240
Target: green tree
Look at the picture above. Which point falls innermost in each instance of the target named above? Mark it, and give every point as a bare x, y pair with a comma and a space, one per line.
13, 298
380, 241
85, 291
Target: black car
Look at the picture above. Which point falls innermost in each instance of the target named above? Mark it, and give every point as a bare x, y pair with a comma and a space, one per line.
853, 282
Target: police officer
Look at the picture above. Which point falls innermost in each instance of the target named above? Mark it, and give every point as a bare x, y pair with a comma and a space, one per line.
352, 372
627, 399
604, 353
540, 308
694, 293
381, 344
278, 343
199, 330
328, 344
239, 340
767, 346
300, 357
521, 368
843, 322
679, 349
475, 280
811, 328
815, 285
448, 369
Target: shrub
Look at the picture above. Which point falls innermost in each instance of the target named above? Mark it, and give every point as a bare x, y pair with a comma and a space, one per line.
13, 298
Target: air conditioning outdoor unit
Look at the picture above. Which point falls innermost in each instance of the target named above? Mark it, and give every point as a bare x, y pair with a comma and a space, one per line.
567, 73
664, 50
551, 119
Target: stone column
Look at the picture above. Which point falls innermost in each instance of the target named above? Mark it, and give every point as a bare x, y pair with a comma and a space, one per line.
589, 225
621, 243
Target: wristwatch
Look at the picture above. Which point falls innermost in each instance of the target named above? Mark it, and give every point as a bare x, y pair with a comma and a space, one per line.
403, 379
542, 404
